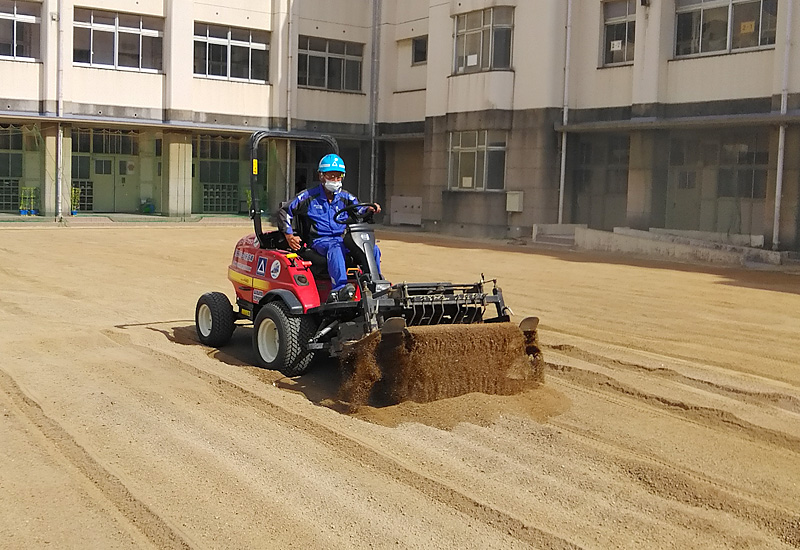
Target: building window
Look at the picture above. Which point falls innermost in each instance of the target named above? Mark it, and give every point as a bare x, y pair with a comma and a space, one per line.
707, 26
419, 50
329, 64
617, 165
231, 53
19, 29
743, 169
620, 31
478, 160
115, 142
218, 163
118, 40
483, 40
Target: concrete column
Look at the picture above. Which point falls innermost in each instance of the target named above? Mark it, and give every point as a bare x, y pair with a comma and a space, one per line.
178, 51
176, 191
647, 179
48, 178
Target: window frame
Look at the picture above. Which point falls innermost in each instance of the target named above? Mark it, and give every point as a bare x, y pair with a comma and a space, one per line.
482, 150
229, 43
629, 21
17, 19
141, 32
704, 6
463, 32
327, 55
419, 40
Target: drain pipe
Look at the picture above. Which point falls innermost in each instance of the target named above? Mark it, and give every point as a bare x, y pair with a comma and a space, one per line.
289, 88
60, 113
565, 116
782, 132
373, 107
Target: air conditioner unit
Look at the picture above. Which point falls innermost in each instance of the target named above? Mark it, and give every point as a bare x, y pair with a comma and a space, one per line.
514, 201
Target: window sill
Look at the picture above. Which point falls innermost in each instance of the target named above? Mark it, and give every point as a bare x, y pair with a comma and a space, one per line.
315, 89
20, 59
482, 72
723, 52
616, 65
121, 69
226, 79
469, 190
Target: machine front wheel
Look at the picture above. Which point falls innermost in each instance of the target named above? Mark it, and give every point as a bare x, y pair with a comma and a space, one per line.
213, 319
279, 339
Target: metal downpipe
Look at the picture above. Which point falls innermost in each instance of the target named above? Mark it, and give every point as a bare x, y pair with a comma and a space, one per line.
565, 116
782, 131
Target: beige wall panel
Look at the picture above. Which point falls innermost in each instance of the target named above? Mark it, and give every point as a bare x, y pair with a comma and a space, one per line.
440, 39
407, 76
463, 6
538, 53
20, 81
481, 91
340, 19
103, 87
406, 107
610, 87
332, 106
141, 7
236, 13
720, 77
235, 98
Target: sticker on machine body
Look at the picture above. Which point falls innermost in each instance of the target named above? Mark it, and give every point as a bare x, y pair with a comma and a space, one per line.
275, 269
262, 266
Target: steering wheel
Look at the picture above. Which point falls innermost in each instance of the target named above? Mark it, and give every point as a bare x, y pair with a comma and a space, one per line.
353, 215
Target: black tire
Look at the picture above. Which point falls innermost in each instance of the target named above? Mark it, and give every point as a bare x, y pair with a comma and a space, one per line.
279, 339
213, 319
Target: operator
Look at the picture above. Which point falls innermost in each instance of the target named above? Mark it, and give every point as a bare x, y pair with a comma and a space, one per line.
315, 209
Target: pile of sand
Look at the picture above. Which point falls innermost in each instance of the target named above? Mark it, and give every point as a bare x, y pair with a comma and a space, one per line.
427, 363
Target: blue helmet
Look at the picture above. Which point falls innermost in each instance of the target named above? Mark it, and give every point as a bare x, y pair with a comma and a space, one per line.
331, 163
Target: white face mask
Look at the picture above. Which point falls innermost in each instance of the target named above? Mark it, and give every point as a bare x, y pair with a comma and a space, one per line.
333, 186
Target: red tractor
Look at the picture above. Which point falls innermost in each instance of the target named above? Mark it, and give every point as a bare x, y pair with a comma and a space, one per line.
283, 293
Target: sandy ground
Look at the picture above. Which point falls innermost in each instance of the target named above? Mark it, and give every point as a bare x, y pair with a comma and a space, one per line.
670, 416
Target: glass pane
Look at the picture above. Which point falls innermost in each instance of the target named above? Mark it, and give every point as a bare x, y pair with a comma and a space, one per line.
453, 175
217, 60
199, 57
104, 18
419, 50
466, 172
15, 140
480, 160
302, 42
205, 171
469, 139
123, 167
759, 184
152, 23
354, 49
83, 167
746, 28
336, 46
129, 21
80, 48
317, 44
725, 183
259, 65
259, 37
4, 165
475, 20
631, 41
200, 29
242, 35
497, 138
215, 31
240, 62
128, 50
6, 6
502, 49
503, 16
85, 145
495, 169
614, 10
103, 48
6, 36
473, 50
486, 42
302, 70
352, 75
215, 149
28, 40
15, 170
151, 53
688, 33
334, 73
769, 18
461, 60
715, 30
316, 71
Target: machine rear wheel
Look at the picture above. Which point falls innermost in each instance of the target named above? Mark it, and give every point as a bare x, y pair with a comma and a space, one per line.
213, 319
279, 339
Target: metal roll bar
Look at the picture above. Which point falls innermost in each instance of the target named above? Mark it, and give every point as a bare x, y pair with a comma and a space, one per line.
255, 139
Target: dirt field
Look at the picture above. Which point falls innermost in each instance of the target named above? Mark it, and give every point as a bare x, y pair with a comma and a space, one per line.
670, 416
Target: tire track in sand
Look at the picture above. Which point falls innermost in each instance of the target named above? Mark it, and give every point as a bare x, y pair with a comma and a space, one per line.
689, 487
133, 510
356, 449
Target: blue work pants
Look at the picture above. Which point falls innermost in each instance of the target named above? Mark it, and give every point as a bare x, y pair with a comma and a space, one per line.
334, 250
